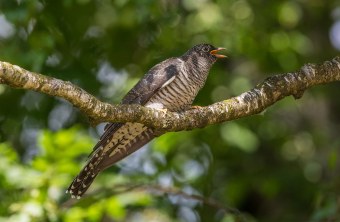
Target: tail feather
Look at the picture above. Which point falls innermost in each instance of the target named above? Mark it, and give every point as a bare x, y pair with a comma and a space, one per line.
79, 187
86, 176
124, 140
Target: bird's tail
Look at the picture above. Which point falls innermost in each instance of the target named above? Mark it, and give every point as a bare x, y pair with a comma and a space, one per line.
116, 144
86, 176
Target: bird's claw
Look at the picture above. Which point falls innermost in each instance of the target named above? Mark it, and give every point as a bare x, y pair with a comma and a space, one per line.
163, 110
195, 107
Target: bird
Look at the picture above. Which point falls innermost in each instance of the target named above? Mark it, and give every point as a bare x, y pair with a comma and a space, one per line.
170, 85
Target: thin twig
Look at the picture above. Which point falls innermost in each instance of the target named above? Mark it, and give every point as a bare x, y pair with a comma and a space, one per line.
124, 188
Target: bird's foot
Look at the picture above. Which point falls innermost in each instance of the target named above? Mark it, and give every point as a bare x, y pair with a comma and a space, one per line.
195, 107
163, 110
158, 106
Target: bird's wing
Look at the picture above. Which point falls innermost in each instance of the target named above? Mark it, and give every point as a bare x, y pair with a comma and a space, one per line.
157, 77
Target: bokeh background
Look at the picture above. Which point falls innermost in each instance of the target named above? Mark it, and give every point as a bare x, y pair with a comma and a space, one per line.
281, 165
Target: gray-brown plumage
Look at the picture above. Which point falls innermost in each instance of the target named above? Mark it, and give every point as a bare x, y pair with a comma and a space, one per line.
173, 85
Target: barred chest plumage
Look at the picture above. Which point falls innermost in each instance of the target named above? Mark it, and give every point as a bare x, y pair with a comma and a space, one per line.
179, 94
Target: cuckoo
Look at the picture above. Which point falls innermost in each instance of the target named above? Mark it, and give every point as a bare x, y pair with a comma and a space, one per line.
172, 85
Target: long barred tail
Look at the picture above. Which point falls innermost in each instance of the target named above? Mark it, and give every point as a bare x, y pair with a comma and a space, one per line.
86, 176
118, 141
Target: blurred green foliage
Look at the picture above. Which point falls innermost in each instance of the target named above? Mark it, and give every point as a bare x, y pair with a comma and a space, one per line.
281, 165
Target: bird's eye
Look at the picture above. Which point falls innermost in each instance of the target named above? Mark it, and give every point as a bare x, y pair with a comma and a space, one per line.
206, 49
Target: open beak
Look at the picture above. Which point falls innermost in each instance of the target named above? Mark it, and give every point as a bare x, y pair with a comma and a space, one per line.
215, 51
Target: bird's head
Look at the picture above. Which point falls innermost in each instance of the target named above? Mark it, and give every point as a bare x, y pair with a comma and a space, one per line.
203, 54
209, 51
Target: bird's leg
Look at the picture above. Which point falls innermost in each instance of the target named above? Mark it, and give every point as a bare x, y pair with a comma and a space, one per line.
158, 106
195, 107
163, 110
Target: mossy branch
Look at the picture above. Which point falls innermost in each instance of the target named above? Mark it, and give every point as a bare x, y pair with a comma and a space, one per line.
252, 102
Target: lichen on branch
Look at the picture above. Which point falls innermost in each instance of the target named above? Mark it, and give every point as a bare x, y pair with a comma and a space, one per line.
248, 103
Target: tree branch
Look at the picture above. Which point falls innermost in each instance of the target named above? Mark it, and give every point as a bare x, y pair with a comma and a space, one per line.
252, 102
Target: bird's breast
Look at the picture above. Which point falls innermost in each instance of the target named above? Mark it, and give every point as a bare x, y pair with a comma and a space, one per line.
179, 94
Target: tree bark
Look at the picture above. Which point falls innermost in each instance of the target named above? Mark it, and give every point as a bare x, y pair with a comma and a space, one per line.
248, 103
